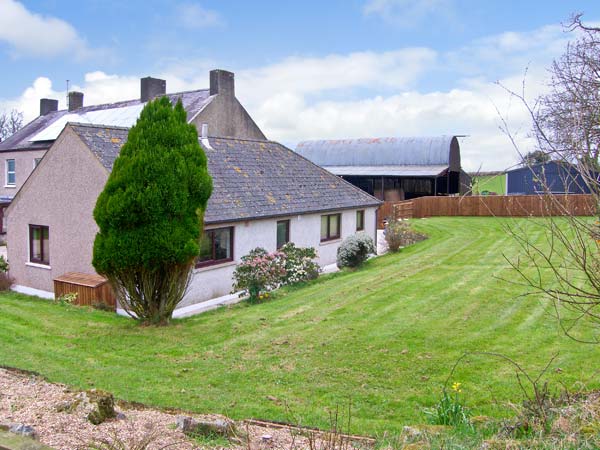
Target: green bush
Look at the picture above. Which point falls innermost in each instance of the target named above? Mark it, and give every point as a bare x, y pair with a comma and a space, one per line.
67, 299
398, 233
150, 212
355, 250
3, 264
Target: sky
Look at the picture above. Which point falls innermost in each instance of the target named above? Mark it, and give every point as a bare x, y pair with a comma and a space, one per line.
305, 69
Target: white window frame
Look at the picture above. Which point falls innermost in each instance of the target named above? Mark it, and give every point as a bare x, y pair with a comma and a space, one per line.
6, 173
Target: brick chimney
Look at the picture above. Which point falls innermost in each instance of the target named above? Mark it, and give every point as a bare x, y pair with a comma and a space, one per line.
75, 100
151, 88
48, 105
222, 82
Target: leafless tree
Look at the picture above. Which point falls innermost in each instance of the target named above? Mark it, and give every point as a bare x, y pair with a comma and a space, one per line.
10, 123
560, 256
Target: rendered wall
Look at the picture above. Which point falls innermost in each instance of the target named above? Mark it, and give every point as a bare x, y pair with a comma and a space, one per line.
305, 231
24, 165
226, 117
61, 194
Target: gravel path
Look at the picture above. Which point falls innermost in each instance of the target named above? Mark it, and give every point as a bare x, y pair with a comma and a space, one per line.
29, 399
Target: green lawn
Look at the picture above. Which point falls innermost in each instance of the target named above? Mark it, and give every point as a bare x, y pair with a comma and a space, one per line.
490, 183
385, 337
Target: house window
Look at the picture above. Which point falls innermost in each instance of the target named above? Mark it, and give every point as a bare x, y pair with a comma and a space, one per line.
330, 227
360, 220
283, 233
36, 162
216, 247
11, 176
39, 244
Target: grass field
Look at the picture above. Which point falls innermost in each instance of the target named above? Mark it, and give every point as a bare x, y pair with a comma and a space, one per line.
384, 337
490, 183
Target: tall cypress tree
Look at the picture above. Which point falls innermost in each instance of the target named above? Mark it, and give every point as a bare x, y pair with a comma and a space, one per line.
150, 213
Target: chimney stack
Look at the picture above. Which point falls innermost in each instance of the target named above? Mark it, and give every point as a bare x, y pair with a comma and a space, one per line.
151, 88
48, 105
222, 82
75, 100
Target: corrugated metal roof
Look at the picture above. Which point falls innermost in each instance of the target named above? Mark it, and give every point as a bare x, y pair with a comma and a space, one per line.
391, 171
391, 151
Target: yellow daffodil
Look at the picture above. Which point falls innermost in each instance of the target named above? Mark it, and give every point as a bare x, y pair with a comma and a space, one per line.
456, 387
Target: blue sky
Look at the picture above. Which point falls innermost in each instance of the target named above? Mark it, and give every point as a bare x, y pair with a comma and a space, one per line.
310, 69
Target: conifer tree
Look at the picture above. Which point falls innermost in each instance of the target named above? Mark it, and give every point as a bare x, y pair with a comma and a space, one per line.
150, 213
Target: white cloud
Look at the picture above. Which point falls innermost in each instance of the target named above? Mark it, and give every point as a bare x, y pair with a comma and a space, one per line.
30, 34
408, 13
369, 94
509, 52
194, 16
311, 75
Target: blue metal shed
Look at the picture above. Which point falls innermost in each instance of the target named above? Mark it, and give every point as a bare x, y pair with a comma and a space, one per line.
552, 177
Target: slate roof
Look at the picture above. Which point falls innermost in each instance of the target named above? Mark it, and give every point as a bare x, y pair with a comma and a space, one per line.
251, 179
104, 142
193, 102
392, 155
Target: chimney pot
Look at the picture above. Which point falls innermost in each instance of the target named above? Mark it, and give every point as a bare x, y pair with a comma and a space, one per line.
48, 105
75, 100
151, 88
222, 82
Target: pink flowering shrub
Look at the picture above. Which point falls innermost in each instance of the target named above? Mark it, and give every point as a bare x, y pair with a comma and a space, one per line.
259, 272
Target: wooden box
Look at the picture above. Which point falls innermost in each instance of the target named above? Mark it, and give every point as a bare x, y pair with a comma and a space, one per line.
91, 289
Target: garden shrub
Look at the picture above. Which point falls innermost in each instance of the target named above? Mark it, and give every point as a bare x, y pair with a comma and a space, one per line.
259, 272
67, 299
300, 264
3, 264
398, 233
150, 213
355, 250
6, 281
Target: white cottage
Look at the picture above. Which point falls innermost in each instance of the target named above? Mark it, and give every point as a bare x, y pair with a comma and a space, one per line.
264, 195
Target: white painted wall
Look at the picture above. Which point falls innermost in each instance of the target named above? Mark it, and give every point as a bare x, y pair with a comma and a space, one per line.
305, 231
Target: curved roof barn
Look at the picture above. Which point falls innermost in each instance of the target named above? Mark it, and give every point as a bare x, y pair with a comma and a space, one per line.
393, 156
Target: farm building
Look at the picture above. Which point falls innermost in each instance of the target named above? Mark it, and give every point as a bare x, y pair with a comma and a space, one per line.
393, 169
552, 177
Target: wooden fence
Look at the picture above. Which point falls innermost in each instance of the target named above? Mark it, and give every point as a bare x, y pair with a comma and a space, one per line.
493, 205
